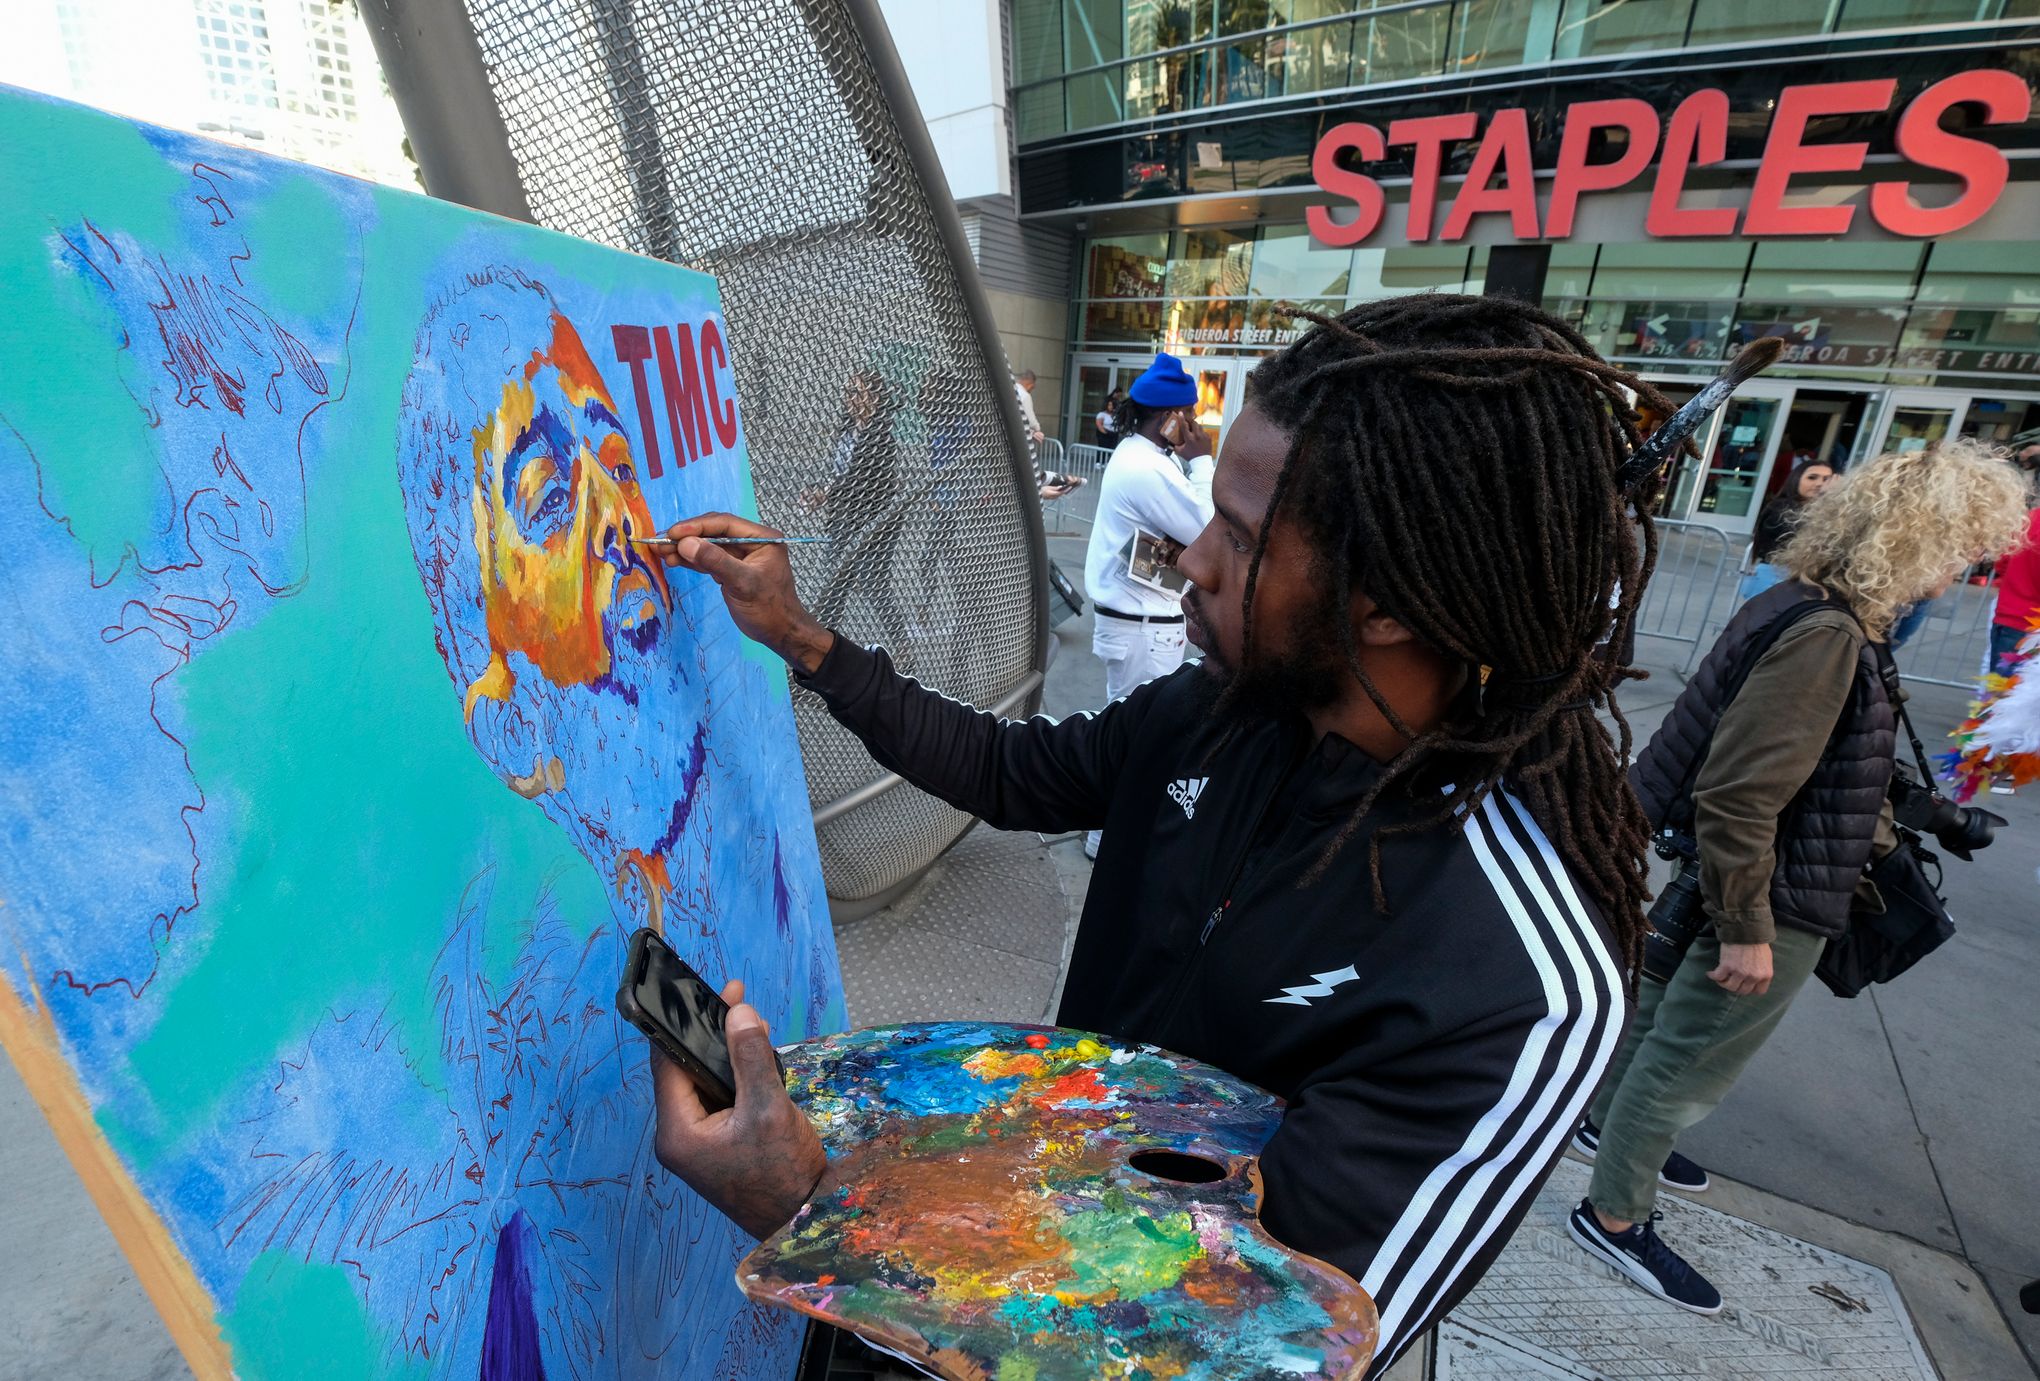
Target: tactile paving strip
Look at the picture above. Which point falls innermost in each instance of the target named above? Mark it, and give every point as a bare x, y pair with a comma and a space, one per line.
1792, 1309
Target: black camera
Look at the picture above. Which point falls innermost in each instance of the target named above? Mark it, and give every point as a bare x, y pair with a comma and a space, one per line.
1960, 829
1677, 915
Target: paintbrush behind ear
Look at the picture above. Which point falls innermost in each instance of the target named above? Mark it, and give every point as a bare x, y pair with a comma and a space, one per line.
1657, 449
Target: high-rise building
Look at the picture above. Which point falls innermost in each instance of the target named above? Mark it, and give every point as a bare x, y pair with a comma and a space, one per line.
291, 77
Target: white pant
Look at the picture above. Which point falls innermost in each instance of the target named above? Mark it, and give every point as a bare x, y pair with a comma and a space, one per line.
1133, 654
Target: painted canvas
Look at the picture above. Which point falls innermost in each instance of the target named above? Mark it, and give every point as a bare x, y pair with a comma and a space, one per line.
1024, 1203
346, 737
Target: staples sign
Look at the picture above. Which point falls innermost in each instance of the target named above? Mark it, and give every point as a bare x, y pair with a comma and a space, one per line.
1502, 180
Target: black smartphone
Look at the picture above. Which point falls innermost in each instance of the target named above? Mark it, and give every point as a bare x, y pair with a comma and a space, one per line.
673, 1005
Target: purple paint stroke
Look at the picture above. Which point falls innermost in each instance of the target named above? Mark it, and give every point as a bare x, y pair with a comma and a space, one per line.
782, 900
609, 684
690, 781
510, 1348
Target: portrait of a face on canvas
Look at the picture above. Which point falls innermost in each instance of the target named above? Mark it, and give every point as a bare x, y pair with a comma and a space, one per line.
347, 736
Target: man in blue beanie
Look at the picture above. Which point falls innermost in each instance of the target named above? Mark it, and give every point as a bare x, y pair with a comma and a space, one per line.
1154, 499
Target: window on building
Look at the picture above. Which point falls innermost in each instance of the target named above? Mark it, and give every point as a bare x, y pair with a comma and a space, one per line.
1395, 272
1489, 33
1093, 99
1570, 271
1289, 264
1157, 86
1748, 21
1037, 40
1977, 271
1210, 263
1126, 266
1400, 45
1867, 272
1243, 16
1590, 28
1038, 111
233, 51
1093, 32
1905, 14
1313, 59
1663, 268
1664, 300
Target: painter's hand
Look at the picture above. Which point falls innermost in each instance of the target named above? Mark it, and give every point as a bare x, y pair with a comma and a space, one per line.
1744, 969
757, 585
759, 1161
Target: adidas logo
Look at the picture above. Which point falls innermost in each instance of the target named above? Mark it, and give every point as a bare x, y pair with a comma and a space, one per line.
1184, 791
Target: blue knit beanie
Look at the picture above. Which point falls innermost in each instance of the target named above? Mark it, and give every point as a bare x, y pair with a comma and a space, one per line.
1164, 385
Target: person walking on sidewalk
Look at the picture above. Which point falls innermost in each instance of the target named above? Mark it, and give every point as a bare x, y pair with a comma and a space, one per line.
1146, 499
1023, 394
1774, 524
1376, 853
1781, 784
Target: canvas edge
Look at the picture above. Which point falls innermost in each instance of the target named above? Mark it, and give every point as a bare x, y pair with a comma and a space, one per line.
30, 1039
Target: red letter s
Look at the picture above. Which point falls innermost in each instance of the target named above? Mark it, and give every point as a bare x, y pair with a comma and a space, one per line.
1362, 190
2006, 100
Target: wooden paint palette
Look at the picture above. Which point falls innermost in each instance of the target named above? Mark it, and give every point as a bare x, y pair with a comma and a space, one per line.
1021, 1203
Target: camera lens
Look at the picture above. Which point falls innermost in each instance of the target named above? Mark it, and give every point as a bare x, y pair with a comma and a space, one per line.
1962, 830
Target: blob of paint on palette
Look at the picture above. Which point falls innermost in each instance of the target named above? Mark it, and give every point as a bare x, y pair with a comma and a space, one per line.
1024, 1203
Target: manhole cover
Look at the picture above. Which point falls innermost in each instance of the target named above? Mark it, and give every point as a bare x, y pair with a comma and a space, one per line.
1793, 1309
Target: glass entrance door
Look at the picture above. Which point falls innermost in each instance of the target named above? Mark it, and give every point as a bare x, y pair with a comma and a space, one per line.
1917, 418
1743, 448
1098, 378
1995, 419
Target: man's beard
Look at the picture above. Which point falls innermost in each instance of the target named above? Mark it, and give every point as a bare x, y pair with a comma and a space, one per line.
1306, 676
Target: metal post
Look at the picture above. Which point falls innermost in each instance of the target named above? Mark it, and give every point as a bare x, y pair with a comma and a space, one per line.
428, 52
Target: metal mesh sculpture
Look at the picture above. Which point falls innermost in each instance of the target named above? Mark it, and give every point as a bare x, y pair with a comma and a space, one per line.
773, 144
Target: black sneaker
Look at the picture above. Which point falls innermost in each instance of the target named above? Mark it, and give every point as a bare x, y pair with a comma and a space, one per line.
1678, 1172
1641, 1255
1682, 1174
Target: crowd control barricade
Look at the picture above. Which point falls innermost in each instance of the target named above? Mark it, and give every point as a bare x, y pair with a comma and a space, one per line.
663, 127
1951, 647
1692, 590
1073, 514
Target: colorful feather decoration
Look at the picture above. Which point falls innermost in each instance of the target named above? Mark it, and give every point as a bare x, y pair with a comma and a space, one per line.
1999, 744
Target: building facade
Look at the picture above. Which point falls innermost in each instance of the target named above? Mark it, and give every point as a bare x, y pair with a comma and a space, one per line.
297, 78
1674, 177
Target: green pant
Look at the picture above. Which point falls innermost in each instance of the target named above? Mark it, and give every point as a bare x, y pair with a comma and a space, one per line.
1685, 1048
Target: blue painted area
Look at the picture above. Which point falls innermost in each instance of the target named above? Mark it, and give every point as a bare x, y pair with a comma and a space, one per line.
331, 942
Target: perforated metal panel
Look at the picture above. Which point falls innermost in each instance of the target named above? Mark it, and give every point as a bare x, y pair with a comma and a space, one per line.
762, 141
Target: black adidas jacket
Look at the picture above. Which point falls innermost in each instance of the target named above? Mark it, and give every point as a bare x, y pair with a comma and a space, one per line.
1435, 1059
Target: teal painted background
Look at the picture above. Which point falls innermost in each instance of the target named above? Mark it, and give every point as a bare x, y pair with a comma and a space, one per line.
324, 876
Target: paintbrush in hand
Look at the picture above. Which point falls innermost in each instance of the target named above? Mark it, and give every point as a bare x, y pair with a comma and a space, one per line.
728, 541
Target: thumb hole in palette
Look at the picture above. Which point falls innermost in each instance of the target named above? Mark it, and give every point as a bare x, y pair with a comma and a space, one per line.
1175, 1165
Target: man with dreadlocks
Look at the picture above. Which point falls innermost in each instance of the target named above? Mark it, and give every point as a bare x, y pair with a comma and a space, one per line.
1376, 853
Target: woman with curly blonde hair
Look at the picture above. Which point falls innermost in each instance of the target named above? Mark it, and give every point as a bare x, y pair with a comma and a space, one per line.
1772, 767
1902, 528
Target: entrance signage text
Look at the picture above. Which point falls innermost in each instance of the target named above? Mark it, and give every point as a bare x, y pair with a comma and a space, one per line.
1502, 178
